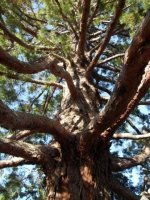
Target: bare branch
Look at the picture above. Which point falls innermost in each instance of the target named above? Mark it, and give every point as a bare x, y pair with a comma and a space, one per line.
99, 77
13, 162
102, 88
47, 101
94, 13
24, 121
29, 30
17, 77
59, 71
144, 103
21, 134
22, 149
119, 164
110, 58
83, 27
119, 189
133, 126
130, 136
107, 37
23, 67
112, 68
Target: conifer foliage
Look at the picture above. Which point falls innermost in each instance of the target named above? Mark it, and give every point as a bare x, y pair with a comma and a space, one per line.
74, 99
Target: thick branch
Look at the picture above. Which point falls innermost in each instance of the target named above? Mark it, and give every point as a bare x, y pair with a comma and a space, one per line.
106, 39
83, 27
125, 95
59, 71
22, 149
24, 121
119, 189
23, 67
145, 83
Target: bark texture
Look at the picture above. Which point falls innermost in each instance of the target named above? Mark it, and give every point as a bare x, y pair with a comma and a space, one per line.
78, 164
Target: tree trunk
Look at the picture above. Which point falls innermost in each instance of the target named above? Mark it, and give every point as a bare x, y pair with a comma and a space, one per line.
79, 173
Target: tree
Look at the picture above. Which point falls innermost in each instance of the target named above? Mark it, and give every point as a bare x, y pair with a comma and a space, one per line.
72, 79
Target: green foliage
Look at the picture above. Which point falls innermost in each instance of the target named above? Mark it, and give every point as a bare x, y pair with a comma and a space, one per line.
25, 183
51, 25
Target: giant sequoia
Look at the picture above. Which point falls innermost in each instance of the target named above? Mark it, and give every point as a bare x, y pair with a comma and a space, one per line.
72, 80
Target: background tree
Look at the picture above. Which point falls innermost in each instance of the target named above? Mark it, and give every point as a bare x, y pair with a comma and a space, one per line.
73, 78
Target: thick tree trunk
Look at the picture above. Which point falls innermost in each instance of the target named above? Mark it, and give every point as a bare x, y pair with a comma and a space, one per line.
79, 173
80, 176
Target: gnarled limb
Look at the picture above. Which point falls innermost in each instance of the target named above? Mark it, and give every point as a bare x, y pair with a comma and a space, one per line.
22, 149
59, 71
23, 67
21, 121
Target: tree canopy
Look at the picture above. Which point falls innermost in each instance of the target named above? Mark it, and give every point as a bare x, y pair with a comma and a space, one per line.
74, 99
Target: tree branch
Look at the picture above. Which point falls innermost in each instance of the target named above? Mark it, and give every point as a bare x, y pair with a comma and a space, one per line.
110, 58
13, 162
144, 103
24, 121
21, 149
125, 95
112, 68
130, 136
99, 77
14, 38
107, 37
23, 67
133, 126
121, 190
83, 27
27, 79
102, 88
65, 18
119, 164
21, 134
59, 71
94, 13
145, 83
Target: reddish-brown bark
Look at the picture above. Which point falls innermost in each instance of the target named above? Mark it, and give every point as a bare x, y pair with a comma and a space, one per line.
78, 163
